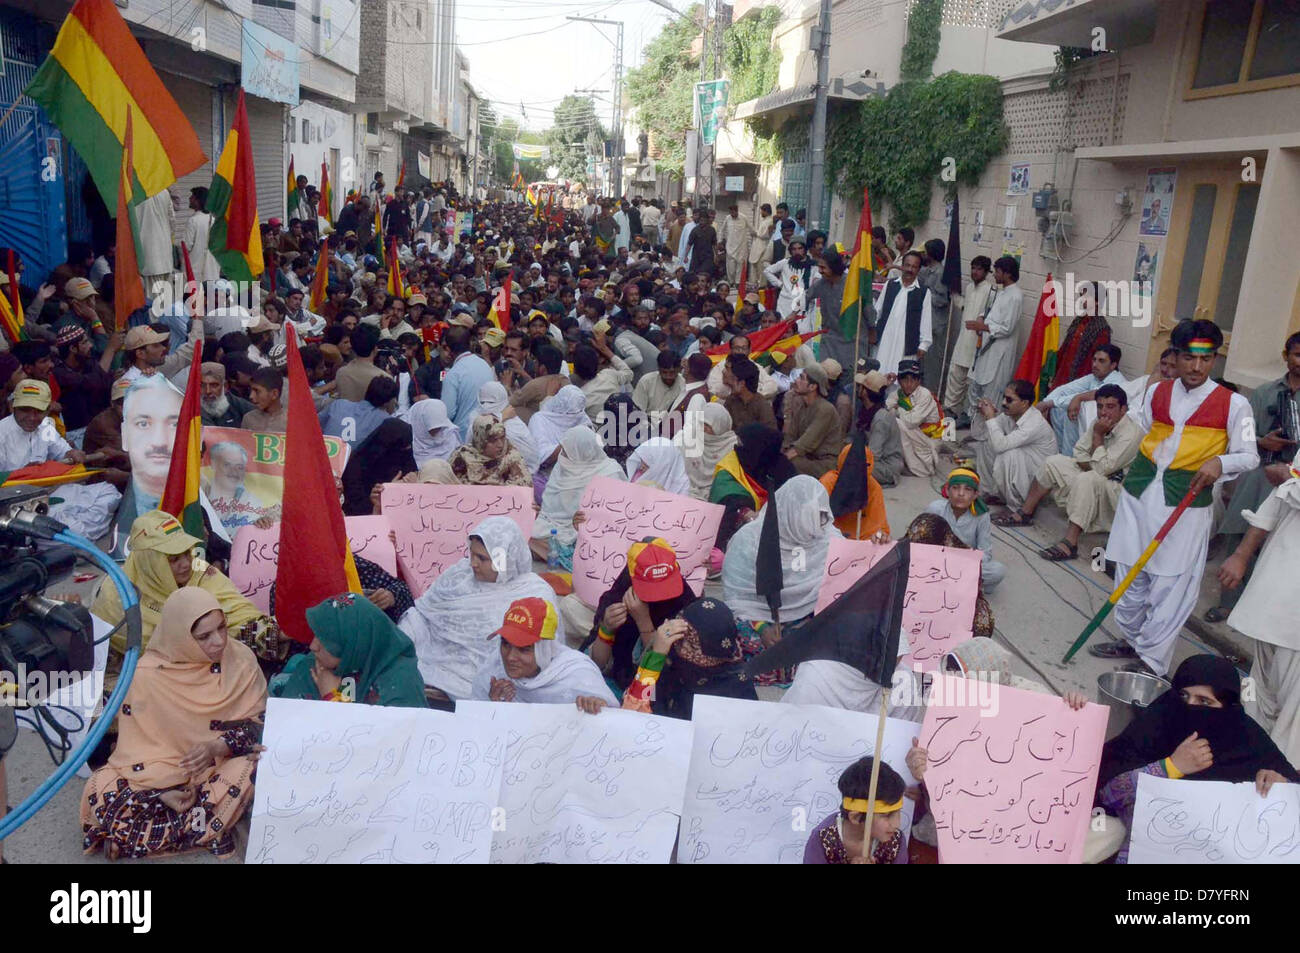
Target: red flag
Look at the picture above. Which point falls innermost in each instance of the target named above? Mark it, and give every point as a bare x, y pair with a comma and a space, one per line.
401, 176
315, 560
759, 341
180, 495
325, 210
1038, 360
320, 280
740, 289
193, 293
128, 290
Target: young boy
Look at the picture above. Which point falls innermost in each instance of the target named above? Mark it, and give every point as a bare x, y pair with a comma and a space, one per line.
969, 518
839, 838
920, 420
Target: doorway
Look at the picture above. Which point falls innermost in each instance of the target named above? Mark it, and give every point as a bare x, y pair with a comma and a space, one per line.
1209, 236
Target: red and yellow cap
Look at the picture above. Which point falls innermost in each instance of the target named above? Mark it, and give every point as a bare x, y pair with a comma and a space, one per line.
655, 573
528, 621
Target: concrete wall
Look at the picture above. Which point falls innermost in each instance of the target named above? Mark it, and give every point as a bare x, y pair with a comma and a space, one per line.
1132, 106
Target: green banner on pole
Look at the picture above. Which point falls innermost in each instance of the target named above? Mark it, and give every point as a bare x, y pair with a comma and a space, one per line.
711, 108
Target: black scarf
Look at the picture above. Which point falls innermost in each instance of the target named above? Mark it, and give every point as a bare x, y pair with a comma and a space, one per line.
1241, 748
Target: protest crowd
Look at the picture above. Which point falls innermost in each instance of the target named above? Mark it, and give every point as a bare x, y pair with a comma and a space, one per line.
669, 425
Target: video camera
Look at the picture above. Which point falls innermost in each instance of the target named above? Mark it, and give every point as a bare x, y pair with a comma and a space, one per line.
43, 642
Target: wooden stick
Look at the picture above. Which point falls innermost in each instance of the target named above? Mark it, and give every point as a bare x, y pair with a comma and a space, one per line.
875, 774
1127, 581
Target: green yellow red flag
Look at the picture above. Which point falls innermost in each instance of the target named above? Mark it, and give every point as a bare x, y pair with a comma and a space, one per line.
180, 495
96, 72
235, 239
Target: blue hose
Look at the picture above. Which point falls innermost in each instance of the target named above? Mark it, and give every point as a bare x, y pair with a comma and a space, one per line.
126, 592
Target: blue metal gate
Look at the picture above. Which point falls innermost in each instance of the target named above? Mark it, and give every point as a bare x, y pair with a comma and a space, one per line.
32, 204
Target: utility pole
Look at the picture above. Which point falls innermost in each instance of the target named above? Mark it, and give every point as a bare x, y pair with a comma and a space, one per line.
821, 42
616, 110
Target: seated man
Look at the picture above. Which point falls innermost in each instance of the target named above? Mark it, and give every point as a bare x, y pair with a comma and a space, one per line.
1063, 404
745, 405
814, 433
656, 394
1019, 440
969, 518
220, 408
739, 346
1087, 485
920, 422
29, 436
880, 426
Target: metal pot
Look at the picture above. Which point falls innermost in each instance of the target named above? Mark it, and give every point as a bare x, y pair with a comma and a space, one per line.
1126, 694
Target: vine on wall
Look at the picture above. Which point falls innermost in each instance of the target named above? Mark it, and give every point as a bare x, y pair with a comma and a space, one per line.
897, 145
922, 46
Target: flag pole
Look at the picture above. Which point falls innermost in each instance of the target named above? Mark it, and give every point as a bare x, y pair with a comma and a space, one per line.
1127, 581
875, 774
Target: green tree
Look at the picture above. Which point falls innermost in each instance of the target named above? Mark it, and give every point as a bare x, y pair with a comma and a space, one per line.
574, 131
661, 90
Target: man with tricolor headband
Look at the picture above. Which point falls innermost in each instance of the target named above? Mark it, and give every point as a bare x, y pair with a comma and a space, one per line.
839, 839
1197, 435
966, 513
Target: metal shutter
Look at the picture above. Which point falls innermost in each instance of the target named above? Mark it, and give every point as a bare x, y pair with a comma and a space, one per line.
266, 126
195, 100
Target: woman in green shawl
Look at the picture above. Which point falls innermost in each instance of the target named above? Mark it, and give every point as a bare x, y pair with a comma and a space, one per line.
357, 654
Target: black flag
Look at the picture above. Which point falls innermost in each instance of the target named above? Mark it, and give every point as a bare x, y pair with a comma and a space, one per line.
952, 262
769, 576
861, 628
851, 487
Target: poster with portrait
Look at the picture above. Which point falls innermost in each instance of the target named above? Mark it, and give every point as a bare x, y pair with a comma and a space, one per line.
242, 473
1146, 263
1158, 201
1018, 183
150, 413
977, 226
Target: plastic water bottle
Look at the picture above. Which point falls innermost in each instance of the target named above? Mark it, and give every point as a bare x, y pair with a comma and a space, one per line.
553, 553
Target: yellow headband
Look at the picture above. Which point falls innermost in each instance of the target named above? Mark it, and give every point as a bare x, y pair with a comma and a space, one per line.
862, 805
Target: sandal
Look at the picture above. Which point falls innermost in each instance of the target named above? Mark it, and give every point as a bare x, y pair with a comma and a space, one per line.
1013, 518
1217, 614
1059, 552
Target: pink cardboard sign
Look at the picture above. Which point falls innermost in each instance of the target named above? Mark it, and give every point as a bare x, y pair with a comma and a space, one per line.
255, 553
1010, 773
433, 521
619, 514
939, 610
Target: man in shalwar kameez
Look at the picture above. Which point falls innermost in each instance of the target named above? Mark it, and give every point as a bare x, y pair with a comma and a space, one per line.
1269, 613
1198, 434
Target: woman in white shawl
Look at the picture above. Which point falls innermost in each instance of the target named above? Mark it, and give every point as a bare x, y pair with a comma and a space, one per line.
704, 441
581, 459
658, 463
452, 620
807, 527
492, 399
528, 664
432, 432
556, 417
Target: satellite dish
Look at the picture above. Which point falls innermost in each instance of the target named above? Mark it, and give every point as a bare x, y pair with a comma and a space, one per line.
552, 171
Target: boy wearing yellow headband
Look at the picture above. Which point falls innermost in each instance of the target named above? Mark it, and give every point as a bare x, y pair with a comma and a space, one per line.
969, 518
839, 838
1198, 434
